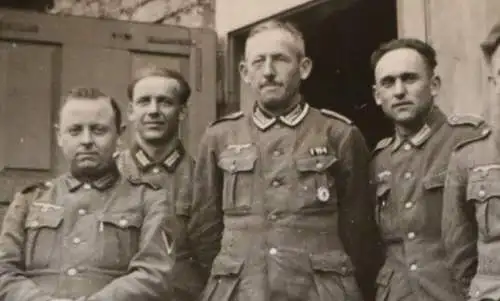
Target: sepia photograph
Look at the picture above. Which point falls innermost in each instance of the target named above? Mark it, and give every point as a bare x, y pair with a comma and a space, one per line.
249, 150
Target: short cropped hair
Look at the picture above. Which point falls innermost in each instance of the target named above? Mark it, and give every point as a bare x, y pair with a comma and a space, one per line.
285, 26
425, 50
492, 42
90, 93
185, 89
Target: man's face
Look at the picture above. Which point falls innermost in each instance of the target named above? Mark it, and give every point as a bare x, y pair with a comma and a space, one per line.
495, 71
155, 109
273, 67
404, 86
87, 134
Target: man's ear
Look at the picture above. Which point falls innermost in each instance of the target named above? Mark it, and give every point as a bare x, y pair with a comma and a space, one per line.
376, 95
306, 66
57, 129
243, 68
122, 129
435, 85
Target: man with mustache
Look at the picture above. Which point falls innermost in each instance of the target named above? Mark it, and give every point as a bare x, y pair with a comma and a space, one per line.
281, 194
89, 234
158, 98
471, 225
409, 171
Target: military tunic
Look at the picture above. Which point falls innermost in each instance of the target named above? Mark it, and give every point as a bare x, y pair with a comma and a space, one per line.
100, 241
291, 193
471, 227
409, 175
174, 173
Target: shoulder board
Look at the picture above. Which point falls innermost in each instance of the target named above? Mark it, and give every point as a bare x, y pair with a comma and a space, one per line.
336, 116
383, 144
456, 120
232, 116
483, 134
35, 186
137, 181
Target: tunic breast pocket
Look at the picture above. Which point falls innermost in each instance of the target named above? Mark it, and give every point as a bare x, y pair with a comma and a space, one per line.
484, 190
316, 186
41, 236
238, 180
118, 239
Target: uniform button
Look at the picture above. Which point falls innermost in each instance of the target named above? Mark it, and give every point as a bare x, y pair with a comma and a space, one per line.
481, 193
485, 131
319, 165
384, 203
156, 170
408, 205
77, 240
272, 217
82, 211
86, 186
275, 183
413, 267
123, 222
48, 184
72, 272
407, 175
406, 147
411, 235
273, 251
343, 269
276, 153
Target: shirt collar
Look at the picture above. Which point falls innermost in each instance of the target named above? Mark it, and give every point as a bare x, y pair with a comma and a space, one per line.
263, 120
103, 183
435, 119
170, 162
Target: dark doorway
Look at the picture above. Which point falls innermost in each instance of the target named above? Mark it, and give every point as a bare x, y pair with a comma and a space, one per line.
36, 5
340, 45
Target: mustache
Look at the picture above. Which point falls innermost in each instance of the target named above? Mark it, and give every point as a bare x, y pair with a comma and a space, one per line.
402, 103
271, 84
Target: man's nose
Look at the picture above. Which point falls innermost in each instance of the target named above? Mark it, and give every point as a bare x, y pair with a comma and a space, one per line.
153, 107
87, 138
269, 71
399, 88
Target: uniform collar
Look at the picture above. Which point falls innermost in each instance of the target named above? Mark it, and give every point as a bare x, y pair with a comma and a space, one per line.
170, 162
264, 120
435, 119
103, 183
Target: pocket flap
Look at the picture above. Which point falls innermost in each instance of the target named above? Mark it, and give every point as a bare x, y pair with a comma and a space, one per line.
237, 163
123, 220
225, 265
435, 181
382, 189
315, 163
384, 276
336, 261
49, 219
482, 191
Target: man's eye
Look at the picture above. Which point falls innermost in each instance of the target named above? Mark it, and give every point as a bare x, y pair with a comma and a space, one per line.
386, 83
100, 130
74, 131
143, 100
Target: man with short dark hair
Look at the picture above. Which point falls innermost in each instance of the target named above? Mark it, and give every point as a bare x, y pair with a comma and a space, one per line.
89, 234
281, 194
409, 171
158, 98
471, 225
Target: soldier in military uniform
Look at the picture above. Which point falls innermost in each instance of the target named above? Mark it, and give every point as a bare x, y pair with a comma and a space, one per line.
89, 234
288, 182
409, 171
471, 225
158, 98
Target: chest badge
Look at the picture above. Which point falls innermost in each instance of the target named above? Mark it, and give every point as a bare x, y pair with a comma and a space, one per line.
318, 151
323, 194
